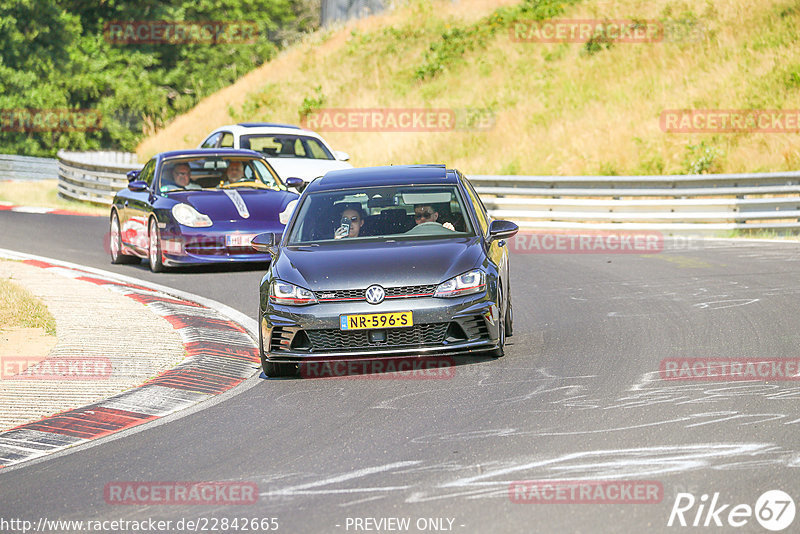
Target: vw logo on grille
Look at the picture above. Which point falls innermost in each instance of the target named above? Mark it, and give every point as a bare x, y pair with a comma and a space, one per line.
375, 294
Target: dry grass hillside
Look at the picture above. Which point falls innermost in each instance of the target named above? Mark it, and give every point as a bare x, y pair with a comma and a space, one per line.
568, 108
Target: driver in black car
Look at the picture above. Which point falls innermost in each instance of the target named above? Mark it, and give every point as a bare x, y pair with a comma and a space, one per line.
427, 214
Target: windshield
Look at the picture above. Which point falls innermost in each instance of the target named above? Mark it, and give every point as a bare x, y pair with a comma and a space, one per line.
398, 212
216, 172
286, 146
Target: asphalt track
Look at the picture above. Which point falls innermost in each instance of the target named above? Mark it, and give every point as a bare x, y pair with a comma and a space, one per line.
577, 396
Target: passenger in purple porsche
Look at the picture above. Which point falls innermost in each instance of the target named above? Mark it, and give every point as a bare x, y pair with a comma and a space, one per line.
235, 172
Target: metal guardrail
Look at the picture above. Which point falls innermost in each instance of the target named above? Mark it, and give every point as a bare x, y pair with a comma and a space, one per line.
94, 176
696, 203
27, 168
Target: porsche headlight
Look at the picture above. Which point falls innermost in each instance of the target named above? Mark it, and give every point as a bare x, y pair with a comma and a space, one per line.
290, 294
188, 216
464, 284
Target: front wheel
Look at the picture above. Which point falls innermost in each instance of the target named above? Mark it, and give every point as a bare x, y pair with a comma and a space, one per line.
509, 316
499, 352
154, 250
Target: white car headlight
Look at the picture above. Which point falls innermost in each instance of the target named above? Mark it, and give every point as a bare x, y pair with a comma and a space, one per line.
464, 284
188, 216
290, 294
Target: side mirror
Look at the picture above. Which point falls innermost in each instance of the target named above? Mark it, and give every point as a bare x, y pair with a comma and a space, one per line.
137, 185
265, 243
133, 175
341, 156
295, 183
502, 230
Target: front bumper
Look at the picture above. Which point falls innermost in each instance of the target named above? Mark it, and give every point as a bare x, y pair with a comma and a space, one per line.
193, 246
441, 326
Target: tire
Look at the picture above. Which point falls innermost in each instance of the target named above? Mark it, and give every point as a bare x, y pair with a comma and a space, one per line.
279, 370
154, 248
115, 243
499, 352
509, 315
274, 369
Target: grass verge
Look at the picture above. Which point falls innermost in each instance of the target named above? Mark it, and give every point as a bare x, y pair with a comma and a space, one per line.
20, 309
558, 108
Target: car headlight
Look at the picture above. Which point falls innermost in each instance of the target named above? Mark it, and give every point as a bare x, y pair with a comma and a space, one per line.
464, 284
188, 216
290, 294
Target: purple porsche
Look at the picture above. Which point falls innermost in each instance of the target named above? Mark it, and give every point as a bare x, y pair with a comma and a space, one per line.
199, 206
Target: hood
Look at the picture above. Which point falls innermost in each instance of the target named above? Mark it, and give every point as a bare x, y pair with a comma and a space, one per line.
307, 169
359, 265
221, 204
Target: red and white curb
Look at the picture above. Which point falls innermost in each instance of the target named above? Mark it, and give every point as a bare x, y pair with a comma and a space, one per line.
8, 206
221, 355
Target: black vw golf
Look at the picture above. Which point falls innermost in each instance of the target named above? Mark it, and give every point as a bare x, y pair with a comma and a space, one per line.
385, 261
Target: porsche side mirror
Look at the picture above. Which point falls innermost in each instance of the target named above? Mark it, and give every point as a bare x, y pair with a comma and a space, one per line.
137, 185
294, 183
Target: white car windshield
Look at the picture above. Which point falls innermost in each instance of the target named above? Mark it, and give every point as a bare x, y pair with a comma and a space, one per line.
285, 146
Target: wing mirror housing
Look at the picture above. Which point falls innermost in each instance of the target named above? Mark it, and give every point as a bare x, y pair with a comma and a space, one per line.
502, 230
137, 186
295, 183
266, 243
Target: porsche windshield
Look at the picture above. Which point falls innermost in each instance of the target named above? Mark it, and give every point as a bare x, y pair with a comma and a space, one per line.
216, 172
381, 212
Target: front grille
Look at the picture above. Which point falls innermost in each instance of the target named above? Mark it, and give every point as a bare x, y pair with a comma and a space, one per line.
342, 294
410, 291
210, 248
204, 248
391, 292
417, 335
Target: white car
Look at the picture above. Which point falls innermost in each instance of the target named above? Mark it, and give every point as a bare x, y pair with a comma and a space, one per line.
291, 150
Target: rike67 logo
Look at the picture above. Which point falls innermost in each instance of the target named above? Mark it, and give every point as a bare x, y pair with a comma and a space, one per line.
774, 510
